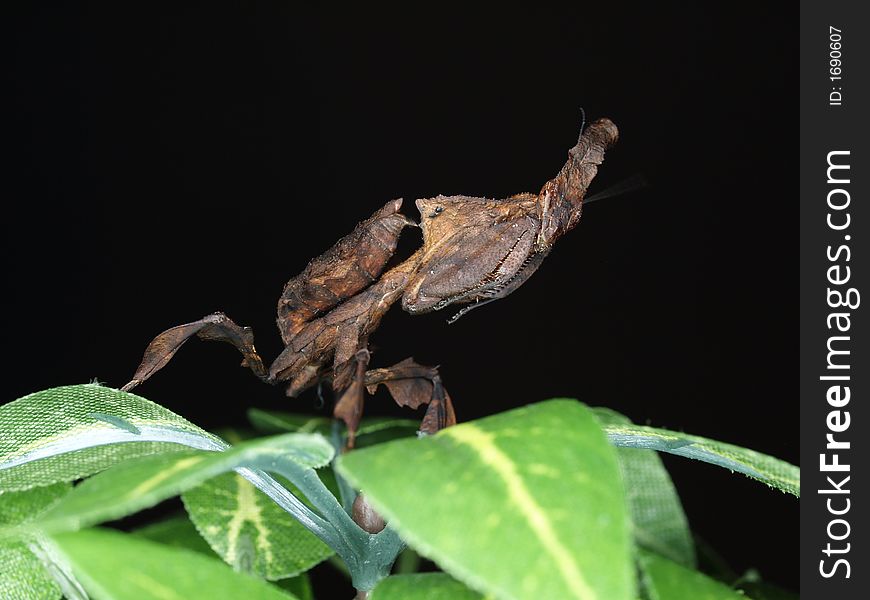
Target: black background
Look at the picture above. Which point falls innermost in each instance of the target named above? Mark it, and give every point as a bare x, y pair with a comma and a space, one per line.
170, 162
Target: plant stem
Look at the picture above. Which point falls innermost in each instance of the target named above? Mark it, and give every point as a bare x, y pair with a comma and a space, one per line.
408, 562
369, 557
316, 524
345, 491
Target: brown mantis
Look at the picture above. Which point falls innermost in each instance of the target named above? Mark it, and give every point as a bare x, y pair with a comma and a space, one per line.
475, 250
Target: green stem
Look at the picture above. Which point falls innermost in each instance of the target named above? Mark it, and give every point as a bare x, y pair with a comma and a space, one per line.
316, 524
369, 557
345, 491
408, 562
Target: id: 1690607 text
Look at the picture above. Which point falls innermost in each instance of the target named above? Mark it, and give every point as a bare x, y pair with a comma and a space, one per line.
835, 62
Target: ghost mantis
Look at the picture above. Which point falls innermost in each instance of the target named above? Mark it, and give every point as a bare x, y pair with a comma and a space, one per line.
475, 251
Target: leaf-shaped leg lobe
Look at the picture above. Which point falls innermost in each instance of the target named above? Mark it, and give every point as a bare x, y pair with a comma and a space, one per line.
216, 327
412, 384
349, 407
339, 334
351, 265
561, 199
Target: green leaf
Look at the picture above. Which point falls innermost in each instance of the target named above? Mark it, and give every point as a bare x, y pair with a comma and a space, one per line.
23, 576
143, 482
407, 562
117, 566
666, 580
372, 430
424, 586
525, 504
299, 586
249, 531
760, 590
772, 471
24, 506
272, 421
177, 531
70, 432
26, 569
658, 521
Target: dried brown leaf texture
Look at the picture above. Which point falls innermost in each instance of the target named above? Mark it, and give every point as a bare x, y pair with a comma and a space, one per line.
475, 250
351, 265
